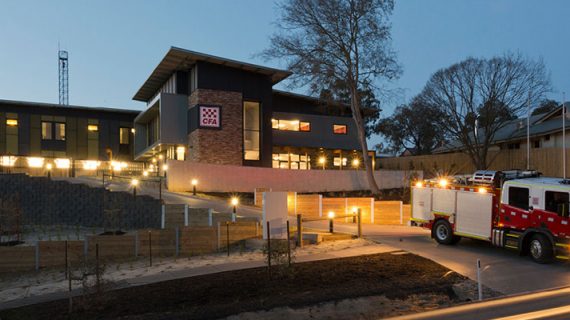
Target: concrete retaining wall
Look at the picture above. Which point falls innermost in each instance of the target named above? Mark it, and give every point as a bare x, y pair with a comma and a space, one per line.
227, 178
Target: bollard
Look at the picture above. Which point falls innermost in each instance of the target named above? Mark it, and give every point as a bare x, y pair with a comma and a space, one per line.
288, 245
97, 271
359, 214
177, 242
299, 230
479, 286
37, 256
331, 225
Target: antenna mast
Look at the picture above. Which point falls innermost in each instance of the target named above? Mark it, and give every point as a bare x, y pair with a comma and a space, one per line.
63, 77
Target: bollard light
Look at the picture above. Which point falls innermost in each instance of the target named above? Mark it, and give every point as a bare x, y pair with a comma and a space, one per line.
134, 183
194, 184
49, 166
356, 163
331, 221
165, 168
234, 202
354, 213
145, 173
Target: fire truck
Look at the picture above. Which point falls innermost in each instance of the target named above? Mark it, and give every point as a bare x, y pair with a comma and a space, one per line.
516, 210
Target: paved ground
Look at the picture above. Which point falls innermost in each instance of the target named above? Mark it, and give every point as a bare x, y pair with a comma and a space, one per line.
542, 305
504, 271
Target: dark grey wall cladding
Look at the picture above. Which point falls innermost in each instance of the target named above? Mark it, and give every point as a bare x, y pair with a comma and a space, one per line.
50, 202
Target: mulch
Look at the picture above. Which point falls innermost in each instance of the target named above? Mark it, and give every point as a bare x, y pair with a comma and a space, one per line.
223, 294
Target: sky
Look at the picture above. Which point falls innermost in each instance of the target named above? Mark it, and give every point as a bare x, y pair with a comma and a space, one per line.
114, 45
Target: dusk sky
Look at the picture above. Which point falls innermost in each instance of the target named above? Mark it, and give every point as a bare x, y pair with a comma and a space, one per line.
114, 45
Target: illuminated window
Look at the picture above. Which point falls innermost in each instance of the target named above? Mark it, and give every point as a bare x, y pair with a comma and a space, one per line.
180, 153
124, 135
93, 127
337, 162
251, 132
53, 131
339, 129
290, 125
291, 161
12, 122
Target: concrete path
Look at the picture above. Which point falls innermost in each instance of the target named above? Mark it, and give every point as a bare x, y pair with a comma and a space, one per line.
552, 304
198, 271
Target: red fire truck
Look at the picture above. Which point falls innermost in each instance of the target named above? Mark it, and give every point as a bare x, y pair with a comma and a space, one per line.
517, 210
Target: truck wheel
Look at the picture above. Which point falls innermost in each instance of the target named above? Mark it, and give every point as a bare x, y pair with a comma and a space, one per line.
540, 249
442, 232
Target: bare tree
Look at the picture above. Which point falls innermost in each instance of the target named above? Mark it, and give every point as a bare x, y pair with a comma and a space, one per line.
345, 40
479, 96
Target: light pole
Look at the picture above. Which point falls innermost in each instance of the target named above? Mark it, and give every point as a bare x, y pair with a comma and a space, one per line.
234, 202
194, 184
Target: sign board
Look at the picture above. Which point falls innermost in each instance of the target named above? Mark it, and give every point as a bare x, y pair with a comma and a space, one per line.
210, 117
275, 211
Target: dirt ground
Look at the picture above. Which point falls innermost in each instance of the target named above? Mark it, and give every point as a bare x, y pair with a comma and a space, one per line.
421, 283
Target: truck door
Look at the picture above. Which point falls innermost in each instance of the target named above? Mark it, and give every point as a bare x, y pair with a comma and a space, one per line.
515, 212
555, 214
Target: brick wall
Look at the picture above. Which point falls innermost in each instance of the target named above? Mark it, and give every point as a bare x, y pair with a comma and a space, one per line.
214, 146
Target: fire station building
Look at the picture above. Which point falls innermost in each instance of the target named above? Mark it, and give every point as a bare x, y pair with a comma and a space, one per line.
204, 108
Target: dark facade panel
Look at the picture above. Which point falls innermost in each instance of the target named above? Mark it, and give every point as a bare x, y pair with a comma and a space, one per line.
24, 133
294, 104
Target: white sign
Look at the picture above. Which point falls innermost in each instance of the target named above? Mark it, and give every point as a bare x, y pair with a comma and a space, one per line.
210, 117
275, 211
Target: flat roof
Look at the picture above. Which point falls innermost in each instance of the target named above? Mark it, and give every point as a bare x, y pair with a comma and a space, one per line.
63, 107
181, 59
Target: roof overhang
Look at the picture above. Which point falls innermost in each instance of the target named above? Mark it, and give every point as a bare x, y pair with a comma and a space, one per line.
177, 59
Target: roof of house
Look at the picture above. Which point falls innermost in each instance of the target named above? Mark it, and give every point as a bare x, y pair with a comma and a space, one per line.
515, 130
29, 104
181, 59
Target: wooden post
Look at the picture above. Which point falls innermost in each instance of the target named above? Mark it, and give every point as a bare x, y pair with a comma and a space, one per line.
97, 271
177, 242
228, 237
359, 213
150, 247
268, 249
288, 245
300, 230
70, 310
66, 262
37, 256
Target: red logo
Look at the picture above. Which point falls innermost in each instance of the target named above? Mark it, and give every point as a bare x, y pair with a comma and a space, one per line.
210, 117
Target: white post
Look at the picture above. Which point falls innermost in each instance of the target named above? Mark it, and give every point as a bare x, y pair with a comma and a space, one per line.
219, 235
163, 217
372, 210
528, 134
210, 216
564, 135
479, 286
320, 205
37, 255
186, 215
401, 213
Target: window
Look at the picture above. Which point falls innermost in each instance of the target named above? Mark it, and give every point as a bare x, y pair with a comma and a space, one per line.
291, 125
12, 122
124, 135
513, 146
536, 144
93, 127
339, 129
12, 133
547, 137
53, 131
291, 161
251, 130
557, 202
518, 197
337, 161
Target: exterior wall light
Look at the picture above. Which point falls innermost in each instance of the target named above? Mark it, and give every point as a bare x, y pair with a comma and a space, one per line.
443, 183
356, 163
145, 173
91, 165
35, 162
322, 161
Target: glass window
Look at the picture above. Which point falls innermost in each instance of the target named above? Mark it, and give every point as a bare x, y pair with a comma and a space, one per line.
251, 132
337, 161
12, 122
47, 133
290, 125
59, 131
339, 129
93, 127
518, 197
557, 202
124, 135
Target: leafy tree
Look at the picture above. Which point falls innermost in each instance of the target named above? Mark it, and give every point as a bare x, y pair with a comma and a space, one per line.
479, 96
545, 106
324, 41
414, 126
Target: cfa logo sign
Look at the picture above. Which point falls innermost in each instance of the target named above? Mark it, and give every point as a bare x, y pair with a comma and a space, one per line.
210, 116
